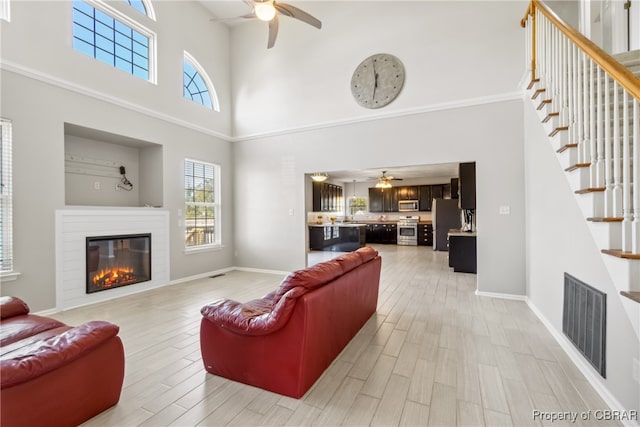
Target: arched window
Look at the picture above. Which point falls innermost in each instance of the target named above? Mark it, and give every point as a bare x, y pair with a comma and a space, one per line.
143, 6
197, 85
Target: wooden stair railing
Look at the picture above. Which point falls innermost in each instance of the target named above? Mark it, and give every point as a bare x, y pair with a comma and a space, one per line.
592, 102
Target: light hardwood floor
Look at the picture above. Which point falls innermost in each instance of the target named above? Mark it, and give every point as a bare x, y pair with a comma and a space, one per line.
434, 354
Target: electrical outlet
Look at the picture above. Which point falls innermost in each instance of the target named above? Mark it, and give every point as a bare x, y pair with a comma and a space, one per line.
505, 210
96, 185
636, 370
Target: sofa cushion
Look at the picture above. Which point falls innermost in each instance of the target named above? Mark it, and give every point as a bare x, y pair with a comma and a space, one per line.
12, 306
256, 317
20, 327
41, 357
310, 278
366, 253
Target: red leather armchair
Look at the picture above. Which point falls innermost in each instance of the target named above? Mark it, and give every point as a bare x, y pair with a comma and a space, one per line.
284, 341
53, 374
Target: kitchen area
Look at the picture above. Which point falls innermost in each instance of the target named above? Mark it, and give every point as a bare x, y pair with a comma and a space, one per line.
431, 207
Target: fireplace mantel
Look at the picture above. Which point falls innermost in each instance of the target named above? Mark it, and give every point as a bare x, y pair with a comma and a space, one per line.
75, 224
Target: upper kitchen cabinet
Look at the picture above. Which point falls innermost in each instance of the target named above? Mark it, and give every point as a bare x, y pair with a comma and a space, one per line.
407, 193
467, 184
424, 197
327, 197
383, 199
454, 188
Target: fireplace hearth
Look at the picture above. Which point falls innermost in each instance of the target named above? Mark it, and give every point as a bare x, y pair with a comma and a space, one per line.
116, 261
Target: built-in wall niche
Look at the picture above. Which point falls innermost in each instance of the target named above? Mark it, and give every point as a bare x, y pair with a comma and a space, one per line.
94, 162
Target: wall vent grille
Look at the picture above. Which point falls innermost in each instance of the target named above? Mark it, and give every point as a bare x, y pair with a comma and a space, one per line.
584, 318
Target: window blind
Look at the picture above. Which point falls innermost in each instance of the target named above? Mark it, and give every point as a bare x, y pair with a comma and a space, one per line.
6, 198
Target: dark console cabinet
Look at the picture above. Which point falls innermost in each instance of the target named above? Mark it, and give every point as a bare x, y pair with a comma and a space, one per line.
462, 253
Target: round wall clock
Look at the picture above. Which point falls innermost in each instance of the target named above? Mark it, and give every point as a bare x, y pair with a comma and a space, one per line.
377, 80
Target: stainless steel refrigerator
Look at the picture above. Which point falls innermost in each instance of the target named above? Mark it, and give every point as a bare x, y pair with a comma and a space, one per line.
445, 215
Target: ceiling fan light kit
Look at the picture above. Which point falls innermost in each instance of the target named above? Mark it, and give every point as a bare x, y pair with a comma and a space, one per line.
268, 10
265, 11
319, 177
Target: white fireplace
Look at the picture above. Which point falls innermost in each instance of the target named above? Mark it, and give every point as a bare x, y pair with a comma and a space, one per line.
75, 225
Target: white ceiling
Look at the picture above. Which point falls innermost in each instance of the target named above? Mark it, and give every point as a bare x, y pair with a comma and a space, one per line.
226, 10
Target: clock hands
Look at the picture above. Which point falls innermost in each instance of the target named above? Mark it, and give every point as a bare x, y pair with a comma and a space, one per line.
375, 79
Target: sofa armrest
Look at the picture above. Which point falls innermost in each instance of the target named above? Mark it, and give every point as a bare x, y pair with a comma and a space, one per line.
41, 357
257, 317
12, 306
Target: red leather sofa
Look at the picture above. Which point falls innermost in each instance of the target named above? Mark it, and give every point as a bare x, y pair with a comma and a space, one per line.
284, 341
52, 374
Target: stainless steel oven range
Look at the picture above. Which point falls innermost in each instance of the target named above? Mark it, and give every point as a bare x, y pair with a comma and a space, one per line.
408, 230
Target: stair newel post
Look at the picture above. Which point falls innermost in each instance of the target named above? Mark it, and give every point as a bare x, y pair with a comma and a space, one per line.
635, 229
608, 155
591, 134
598, 128
617, 179
627, 210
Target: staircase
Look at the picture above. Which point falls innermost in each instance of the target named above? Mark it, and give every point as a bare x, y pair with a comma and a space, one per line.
589, 105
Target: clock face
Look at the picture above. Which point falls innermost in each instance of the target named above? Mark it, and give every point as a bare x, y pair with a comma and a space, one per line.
377, 80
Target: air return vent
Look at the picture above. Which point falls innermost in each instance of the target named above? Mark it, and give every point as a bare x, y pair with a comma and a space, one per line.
584, 319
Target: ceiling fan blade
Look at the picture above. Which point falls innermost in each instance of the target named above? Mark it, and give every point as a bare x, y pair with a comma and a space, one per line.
294, 12
273, 32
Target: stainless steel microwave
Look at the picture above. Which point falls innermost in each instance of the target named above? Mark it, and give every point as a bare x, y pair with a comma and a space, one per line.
408, 206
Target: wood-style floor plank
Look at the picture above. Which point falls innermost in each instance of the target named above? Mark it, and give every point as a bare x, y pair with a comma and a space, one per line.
434, 354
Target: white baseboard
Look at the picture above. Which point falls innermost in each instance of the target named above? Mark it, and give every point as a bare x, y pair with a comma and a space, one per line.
200, 276
261, 270
501, 296
583, 366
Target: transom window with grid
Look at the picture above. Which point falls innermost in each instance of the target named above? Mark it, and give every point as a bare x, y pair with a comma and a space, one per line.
111, 37
202, 204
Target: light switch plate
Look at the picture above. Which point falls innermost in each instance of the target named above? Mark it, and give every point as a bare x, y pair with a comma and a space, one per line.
505, 210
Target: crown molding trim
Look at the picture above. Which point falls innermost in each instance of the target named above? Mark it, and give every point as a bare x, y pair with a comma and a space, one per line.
465, 103
83, 90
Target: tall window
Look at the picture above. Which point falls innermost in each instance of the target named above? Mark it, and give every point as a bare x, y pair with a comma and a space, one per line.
197, 85
202, 204
110, 37
5, 10
6, 199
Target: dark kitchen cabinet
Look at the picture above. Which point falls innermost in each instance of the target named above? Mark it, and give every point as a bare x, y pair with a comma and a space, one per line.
336, 238
436, 192
425, 234
382, 233
424, 197
467, 183
446, 191
454, 188
383, 200
408, 192
327, 197
462, 253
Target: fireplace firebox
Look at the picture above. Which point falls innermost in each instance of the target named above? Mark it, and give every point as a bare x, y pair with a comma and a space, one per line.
115, 261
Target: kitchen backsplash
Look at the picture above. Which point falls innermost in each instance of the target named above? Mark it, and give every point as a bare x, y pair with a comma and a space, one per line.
325, 217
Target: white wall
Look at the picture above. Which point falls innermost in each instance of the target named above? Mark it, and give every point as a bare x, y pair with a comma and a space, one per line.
271, 170
451, 50
559, 241
45, 83
294, 114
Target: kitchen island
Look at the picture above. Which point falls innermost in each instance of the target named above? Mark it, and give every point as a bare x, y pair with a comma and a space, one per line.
338, 237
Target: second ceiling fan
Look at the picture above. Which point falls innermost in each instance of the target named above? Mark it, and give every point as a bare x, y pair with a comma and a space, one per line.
268, 10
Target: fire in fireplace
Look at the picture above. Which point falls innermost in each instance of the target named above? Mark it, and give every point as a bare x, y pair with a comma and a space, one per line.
114, 261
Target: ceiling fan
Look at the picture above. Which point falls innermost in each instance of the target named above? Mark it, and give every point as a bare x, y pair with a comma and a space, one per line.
384, 181
268, 10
